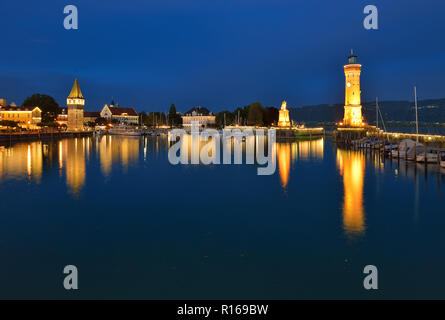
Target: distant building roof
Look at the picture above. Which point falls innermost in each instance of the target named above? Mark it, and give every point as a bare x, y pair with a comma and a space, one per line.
75, 91
198, 111
89, 114
115, 111
11, 108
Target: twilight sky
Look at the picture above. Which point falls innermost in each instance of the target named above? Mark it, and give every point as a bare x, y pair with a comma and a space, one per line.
148, 54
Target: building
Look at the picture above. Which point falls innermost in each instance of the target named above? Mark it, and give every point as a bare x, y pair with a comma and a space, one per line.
283, 118
90, 116
75, 103
353, 108
25, 117
122, 115
62, 117
198, 114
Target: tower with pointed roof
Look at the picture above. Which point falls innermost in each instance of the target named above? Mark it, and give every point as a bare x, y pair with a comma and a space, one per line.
75, 103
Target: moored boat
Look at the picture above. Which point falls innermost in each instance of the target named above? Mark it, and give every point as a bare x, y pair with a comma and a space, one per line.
408, 149
125, 131
431, 156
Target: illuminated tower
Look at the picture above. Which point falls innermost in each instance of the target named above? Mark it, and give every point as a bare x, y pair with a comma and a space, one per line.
353, 108
283, 120
75, 103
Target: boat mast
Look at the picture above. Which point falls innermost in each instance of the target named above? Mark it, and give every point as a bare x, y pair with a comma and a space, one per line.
377, 112
417, 117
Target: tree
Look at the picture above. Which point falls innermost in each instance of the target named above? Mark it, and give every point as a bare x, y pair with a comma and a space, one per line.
271, 116
174, 119
101, 121
8, 123
240, 115
49, 124
47, 104
230, 118
154, 119
255, 114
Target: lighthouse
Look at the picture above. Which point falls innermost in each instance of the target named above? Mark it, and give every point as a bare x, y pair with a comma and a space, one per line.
353, 108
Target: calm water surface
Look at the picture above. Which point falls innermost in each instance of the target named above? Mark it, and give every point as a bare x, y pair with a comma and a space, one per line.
138, 227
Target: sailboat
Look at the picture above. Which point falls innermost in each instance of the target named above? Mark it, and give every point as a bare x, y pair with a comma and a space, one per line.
423, 154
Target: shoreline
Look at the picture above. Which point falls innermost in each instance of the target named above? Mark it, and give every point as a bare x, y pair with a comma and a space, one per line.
9, 138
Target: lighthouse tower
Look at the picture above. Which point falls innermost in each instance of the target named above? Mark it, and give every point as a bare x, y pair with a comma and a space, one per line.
353, 108
75, 103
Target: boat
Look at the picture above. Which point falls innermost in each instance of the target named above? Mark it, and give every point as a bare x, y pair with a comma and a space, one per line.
100, 130
431, 155
122, 130
408, 149
390, 147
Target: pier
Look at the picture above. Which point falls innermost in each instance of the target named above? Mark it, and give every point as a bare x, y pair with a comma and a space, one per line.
297, 133
11, 137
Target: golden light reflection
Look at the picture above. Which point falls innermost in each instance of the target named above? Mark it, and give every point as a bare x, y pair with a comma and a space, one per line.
73, 152
352, 167
290, 152
23, 161
284, 161
112, 148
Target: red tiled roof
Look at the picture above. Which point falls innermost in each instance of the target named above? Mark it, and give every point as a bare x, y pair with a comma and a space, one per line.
119, 111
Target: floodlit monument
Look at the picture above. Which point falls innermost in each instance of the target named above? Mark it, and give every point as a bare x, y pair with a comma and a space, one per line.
353, 108
283, 119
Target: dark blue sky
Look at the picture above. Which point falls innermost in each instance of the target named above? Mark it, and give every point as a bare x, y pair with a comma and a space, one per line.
220, 54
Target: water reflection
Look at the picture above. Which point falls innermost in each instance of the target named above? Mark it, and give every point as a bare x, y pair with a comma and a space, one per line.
25, 160
114, 148
352, 168
22, 161
194, 149
290, 152
73, 157
284, 162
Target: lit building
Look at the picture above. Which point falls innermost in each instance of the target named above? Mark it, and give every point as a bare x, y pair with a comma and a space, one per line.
283, 120
353, 108
200, 115
122, 115
90, 116
75, 103
62, 117
27, 117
